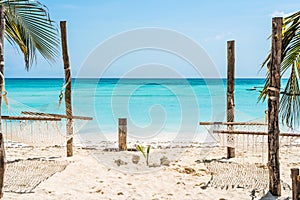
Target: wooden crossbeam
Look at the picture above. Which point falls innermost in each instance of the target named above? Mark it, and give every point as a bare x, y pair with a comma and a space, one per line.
232, 123
254, 133
56, 115
31, 118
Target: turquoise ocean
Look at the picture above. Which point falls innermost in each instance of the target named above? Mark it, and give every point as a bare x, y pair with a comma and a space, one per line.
151, 106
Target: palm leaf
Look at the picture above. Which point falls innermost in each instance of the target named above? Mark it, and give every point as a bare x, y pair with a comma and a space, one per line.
148, 152
148, 149
141, 149
29, 27
290, 102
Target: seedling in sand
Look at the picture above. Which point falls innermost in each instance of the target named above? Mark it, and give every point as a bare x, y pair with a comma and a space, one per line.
146, 155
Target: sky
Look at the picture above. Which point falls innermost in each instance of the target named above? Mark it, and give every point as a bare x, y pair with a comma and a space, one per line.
209, 24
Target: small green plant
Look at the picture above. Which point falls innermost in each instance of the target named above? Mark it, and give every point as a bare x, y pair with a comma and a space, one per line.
146, 155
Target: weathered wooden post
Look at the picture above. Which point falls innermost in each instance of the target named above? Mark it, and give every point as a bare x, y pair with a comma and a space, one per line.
295, 184
230, 96
68, 91
2, 149
122, 134
273, 108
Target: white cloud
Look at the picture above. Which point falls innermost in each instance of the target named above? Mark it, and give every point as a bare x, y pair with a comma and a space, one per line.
219, 36
280, 14
69, 6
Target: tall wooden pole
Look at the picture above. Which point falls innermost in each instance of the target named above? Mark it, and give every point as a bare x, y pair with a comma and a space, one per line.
2, 149
230, 96
68, 91
273, 108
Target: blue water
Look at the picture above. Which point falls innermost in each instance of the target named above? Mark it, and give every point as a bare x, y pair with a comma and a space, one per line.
152, 106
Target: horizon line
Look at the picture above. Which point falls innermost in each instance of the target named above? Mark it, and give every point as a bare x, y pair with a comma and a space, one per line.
134, 78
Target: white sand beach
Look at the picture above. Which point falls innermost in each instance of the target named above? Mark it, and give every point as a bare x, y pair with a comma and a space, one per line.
99, 174
144, 74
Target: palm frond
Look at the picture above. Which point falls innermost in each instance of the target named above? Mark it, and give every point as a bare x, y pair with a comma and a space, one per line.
290, 100
16, 37
30, 28
141, 149
289, 39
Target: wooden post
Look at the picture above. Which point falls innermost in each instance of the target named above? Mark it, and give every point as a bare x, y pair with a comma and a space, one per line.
273, 108
68, 91
123, 134
295, 183
2, 149
230, 95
